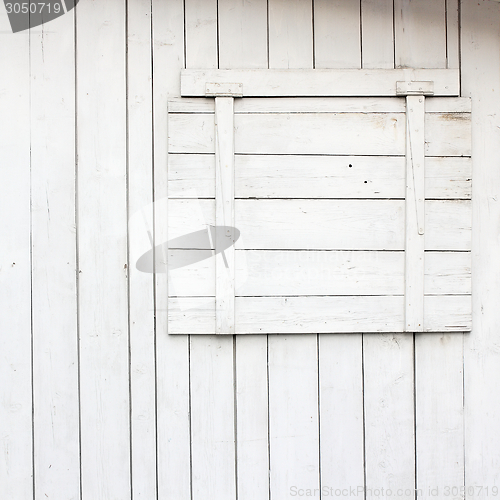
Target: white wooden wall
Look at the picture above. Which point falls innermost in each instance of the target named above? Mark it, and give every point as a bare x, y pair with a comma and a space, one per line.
97, 401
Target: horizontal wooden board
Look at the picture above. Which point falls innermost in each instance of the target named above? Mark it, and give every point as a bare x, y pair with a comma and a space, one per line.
446, 134
281, 273
289, 315
447, 273
320, 133
447, 313
327, 224
320, 224
321, 105
448, 225
448, 178
290, 176
319, 82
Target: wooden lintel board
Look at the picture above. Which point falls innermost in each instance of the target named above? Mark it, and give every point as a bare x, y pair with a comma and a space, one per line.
319, 82
324, 237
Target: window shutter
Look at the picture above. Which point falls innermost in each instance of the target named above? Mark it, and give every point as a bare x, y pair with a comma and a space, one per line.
348, 212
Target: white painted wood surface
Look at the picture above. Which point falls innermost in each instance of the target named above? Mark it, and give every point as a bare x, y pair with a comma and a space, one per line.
172, 353
377, 22
325, 82
102, 251
442, 388
337, 37
480, 48
224, 215
415, 214
54, 296
141, 285
16, 467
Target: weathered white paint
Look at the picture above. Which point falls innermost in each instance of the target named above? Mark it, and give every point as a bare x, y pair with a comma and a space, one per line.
319, 82
441, 366
224, 215
55, 338
415, 214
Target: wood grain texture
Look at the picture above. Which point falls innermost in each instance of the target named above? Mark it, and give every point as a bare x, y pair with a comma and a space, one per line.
243, 42
420, 34
141, 285
300, 176
290, 28
322, 314
293, 413
16, 465
201, 33
337, 37
319, 82
480, 49
452, 34
213, 468
377, 21
276, 272
380, 134
321, 224
252, 417
242, 34
439, 411
389, 422
415, 214
212, 417
172, 353
341, 411
102, 229
55, 338
224, 215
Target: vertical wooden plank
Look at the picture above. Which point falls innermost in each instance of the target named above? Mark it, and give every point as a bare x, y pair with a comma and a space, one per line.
452, 34
293, 359
55, 348
420, 32
480, 25
389, 422
337, 42
242, 34
290, 34
212, 418
337, 34
224, 215
252, 451
377, 18
140, 209
243, 44
16, 467
201, 33
102, 249
172, 352
415, 212
293, 414
439, 413
341, 411
211, 363
430, 386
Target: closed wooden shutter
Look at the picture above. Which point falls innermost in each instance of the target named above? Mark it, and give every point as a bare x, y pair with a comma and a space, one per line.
347, 214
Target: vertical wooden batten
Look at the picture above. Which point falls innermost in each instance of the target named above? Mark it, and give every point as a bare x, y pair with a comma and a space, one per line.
415, 213
224, 215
